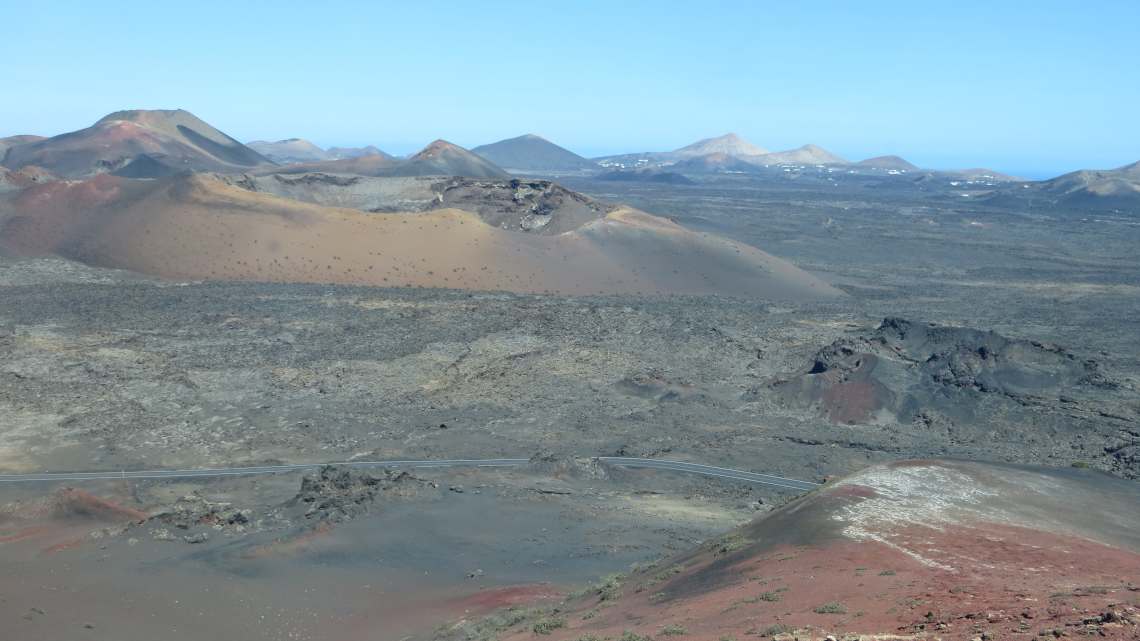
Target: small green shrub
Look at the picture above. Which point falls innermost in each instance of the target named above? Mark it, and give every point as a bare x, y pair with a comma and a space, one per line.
607, 589
773, 630
832, 607
674, 630
730, 544
546, 626
610, 588
668, 572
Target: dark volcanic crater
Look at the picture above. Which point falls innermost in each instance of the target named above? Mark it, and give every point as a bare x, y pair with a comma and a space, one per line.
959, 381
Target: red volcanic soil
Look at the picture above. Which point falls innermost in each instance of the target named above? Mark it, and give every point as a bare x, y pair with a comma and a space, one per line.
71, 502
493, 598
75, 504
290, 545
63, 519
919, 550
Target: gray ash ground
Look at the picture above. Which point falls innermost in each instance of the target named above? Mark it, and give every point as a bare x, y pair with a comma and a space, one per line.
107, 370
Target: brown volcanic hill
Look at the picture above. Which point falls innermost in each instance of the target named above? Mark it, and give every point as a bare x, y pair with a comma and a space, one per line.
197, 227
14, 141
907, 550
172, 140
441, 158
1112, 189
290, 150
887, 162
806, 155
729, 144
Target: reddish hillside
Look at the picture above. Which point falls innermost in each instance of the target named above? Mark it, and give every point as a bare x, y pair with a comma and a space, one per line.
926, 549
138, 143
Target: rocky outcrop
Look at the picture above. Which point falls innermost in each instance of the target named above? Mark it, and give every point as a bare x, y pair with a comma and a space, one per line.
338, 493
908, 371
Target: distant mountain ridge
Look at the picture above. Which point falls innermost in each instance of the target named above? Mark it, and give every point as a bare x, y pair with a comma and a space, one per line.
289, 150
337, 153
727, 153
440, 158
299, 150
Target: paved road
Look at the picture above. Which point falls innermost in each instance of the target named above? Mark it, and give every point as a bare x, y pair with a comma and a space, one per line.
709, 470
656, 464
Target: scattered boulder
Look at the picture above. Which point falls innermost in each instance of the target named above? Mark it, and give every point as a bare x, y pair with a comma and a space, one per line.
195, 510
198, 537
338, 493
658, 386
559, 466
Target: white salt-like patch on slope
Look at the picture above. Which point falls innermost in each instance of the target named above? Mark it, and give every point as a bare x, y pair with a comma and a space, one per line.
928, 496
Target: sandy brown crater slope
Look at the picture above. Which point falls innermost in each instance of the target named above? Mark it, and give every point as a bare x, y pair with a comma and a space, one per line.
198, 227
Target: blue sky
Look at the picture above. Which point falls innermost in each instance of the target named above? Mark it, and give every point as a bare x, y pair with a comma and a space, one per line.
1032, 88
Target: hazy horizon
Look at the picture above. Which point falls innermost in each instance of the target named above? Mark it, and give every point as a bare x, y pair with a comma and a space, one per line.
975, 85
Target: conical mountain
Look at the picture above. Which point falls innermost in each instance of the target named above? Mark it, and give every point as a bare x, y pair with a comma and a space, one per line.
173, 140
442, 158
533, 153
729, 144
887, 162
